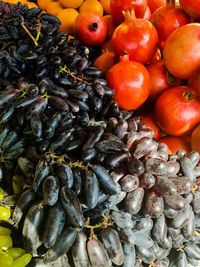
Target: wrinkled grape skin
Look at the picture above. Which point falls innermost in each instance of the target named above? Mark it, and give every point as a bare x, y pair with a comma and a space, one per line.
97, 253
159, 230
184, 185
181, 218
156, 166
147, 180
129, 183
154, 204
133, 200
112, 243
175, 201
135, 166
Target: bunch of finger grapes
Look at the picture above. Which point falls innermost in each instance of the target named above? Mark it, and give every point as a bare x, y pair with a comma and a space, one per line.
89, 184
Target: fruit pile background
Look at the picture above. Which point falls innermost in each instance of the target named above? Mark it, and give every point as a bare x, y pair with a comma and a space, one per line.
161, 78
86, 175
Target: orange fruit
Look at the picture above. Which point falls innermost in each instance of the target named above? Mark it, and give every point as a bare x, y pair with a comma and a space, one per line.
110, 25
67, 17
105, 61
106, 5
13, 1
93, 6
71, 3
54, 8
175, 143
148, 119
31, 4
23, 2
43, 4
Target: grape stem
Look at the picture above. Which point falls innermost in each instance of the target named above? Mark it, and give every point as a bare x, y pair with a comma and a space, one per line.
64, 69
181, 248
28, 32
51, 158
22, 95
38, 29
79, 164
46, 96
105, 223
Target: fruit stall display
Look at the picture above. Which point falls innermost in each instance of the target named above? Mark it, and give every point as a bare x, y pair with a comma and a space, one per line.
99, 133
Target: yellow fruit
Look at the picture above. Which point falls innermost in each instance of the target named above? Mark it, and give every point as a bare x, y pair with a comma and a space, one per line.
5, 242
91, 6
5, 260
54, 8
106, 5
43, 4
5, 231
67, 17
31, 5
4, 213
15, 252
71, 3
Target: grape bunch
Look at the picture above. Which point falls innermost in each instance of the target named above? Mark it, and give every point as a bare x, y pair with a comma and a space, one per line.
151, 198
91, 185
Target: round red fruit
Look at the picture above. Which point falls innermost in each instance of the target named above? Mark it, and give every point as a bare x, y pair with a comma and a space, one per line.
161, 79
181, 51
168, 18
131, 82
117, 6
177, 110
91, 29
137, 37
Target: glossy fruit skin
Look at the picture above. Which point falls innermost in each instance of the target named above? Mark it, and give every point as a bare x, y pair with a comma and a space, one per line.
137, 37
174, 143
54, 8
117, 6
70, 3
181, 51
149, 121
67, 17
191, 7
43, 4
93, 6
160, 79
131, 82
195, 139
88, 34
155, 4
177, 110
168, 18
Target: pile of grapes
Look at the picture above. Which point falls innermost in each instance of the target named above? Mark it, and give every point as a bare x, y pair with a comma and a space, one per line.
92, 187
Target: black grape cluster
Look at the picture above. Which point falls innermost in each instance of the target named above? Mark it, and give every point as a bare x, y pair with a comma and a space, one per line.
91, 185
32, 46
149, 199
